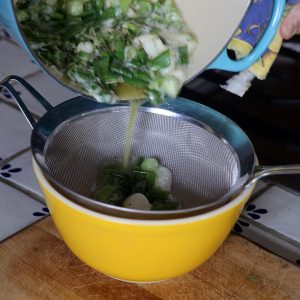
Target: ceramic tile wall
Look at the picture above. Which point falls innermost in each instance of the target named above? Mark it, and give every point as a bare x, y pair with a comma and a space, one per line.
270, 218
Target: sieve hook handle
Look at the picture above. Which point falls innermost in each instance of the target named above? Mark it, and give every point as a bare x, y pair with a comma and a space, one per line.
5, 83
263, 171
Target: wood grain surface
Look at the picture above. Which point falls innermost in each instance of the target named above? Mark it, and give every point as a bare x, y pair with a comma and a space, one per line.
36, 264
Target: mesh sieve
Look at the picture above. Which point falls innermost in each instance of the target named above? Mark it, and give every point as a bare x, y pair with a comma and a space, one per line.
203, 166
210, 157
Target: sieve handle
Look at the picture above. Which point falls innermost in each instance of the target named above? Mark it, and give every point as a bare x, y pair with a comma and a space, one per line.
263, 171
5, 83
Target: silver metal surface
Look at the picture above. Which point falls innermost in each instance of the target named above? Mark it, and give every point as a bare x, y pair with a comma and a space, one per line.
204, 168
264, 171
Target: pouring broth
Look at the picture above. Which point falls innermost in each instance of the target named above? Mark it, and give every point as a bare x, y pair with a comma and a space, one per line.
140, 183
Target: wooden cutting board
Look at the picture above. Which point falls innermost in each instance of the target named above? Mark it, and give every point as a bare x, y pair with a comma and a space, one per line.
36, 264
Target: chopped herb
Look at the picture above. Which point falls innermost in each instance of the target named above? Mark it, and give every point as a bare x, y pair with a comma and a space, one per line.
143, 177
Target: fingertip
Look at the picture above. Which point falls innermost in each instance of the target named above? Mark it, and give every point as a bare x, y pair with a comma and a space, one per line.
286, 30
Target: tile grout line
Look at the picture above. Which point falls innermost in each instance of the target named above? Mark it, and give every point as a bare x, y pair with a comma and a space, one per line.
9, 40
33, 74
14, 156
273, 241
23, 190
15, 106
17, 186
24, 228
271, 231
258, 193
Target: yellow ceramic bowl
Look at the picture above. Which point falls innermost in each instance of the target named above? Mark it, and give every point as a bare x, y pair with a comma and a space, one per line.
137, 250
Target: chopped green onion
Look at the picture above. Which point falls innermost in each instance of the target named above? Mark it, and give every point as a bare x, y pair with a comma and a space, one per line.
161, 61
130, 53
100, 5
22, 15
111, 78
96, 44
125, 4
125, 187
119, 49
74, 7
149, 164
135, 82
170, 85
155, 97
183, 55
142, 56
119, 69
144, 8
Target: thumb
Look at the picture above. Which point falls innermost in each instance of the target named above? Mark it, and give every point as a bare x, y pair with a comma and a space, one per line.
291, 24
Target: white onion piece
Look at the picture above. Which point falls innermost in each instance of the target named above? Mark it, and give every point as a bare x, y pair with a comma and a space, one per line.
152, 44
163, 179
137, 201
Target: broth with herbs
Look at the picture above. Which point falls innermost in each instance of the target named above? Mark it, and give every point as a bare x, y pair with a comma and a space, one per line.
96, 46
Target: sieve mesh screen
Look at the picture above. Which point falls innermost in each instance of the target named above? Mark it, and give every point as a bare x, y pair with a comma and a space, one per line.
203, 165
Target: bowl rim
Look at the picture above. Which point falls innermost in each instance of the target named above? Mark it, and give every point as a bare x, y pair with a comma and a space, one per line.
207, 215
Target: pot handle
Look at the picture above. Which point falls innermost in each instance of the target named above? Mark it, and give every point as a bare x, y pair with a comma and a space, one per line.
263, 171
5, 83
224, 62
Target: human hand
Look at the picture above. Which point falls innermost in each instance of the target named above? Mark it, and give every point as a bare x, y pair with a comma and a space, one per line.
291, 23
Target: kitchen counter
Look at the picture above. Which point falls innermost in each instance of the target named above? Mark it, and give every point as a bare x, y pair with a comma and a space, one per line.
36, 264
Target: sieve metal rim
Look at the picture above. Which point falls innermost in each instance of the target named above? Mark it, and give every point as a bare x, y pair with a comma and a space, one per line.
99, 206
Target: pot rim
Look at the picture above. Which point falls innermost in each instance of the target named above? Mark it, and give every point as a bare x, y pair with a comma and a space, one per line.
207, 215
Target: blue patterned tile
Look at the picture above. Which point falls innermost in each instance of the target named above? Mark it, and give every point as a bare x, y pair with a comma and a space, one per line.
17, 211
250, 210
14, 133
283, 212
7, 170
41, 213
22, 175
272, 220
240, 225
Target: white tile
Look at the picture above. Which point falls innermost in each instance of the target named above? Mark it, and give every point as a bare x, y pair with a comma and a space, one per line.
48, 87
14, 131
283, 211
17, 211
260, 187
20, 172
14, 61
